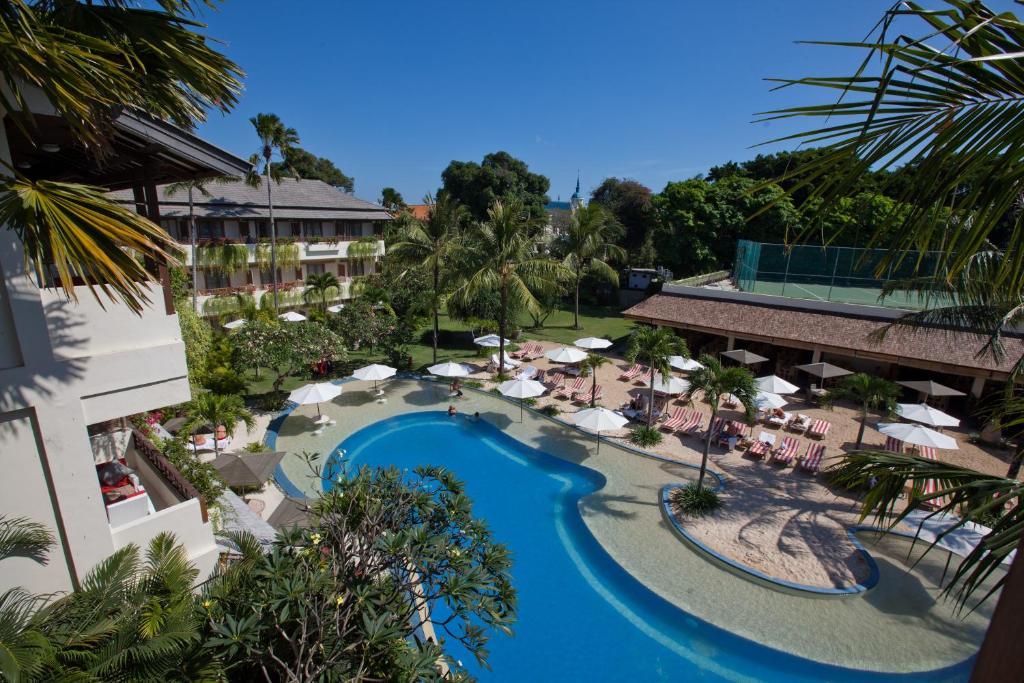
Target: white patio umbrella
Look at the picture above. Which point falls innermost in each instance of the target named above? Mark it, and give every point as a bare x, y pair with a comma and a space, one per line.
565, 354
449, 369
315, 393
775, 385
336, 308
489, 340
766, 400
924, 413
234, 324
292, 317
592, 343
684, 364
668, 385
917, 435
521, 388
598, 420
374, 372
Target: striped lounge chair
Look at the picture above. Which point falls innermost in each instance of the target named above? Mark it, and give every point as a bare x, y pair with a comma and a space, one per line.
692, 424
716, 427
931, 486
586, 397
554, 379
762, 446
534, 352
676, 420
811, 461
633, 372
785, 453
740, 429
819, 429
893, 445
521, 351
568, 391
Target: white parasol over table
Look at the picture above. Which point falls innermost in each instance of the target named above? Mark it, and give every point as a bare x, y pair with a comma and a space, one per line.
925, 414
917, 435
315, 393
490, 340
598, 420
766, 400
374, 372
449, 369
684, 364
668, 385
521, 388
592, 343
565, 354
775, 385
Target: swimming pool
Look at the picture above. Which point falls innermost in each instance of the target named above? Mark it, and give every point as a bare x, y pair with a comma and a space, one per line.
581, 616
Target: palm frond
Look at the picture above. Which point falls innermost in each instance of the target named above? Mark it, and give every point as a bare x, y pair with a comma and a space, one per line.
24, 537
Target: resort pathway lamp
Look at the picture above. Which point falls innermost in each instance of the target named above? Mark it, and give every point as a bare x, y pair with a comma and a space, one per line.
925, 414
917, 435
521, 389
375, 372
592, 343
930, 388
775, 385
292, 317
315, 393
598, 420
684, 364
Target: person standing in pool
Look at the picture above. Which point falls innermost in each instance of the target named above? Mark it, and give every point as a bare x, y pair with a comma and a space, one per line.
451, 411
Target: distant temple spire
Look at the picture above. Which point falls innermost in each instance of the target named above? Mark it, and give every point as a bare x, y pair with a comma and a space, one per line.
576, 201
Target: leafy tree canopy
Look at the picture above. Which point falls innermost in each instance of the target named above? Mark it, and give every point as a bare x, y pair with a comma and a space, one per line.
476, 186
632, 205
311, 167
392, 199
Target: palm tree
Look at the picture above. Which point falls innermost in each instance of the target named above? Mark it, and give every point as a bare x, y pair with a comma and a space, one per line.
190, 186
869, 393
716, 381
587, 248
88, 60
653, 346
321, 285
430, 245
274, 137
225, 410
590, 365
505, 258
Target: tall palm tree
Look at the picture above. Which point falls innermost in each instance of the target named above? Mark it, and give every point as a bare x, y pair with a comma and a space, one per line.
274, 137
589, 366
88, 60
587, 247
320, 285
430, 245
869, 393
190, 186
505, 257
653, 346
225, 410
716, 381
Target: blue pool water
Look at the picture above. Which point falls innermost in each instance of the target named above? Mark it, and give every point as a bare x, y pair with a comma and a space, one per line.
581, 617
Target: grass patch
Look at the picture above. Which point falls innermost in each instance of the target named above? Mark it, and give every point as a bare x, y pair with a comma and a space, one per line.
694, 500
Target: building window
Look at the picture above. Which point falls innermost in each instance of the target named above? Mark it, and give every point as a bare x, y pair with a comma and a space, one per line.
312, 229
342, 269
358, 267
217, 280
266, 279
315, 269
208, 230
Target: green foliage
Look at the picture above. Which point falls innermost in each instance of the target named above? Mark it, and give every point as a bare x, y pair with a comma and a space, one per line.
500, 177
287, 348
197, 335
551, 410
391, 199
653, 346
632, 206
217, 410
256, 447
287, 254
181, 283
21, 536
715, 381
322, 288
308, 165
869, 393
365, 248
693, 499
223, 369
585, 248
203, 475
216, 306
644, 436
224, 258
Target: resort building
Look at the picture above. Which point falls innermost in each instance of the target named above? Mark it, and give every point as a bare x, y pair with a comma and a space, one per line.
320, 229
70, 372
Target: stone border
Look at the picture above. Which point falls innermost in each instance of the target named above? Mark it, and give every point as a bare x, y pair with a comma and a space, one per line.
747, 572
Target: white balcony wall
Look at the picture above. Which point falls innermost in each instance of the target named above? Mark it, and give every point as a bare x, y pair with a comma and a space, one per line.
185, 521
308, 251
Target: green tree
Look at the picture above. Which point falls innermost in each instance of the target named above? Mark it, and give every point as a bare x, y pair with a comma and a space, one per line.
586, 248
653, 346
303, 164
500, 176
315, 608
197, 336
287, 348
632, 206
868, 393
430, 247
589, 366
391, 199
190, 187
274, 136
88, 60
322, 286
716, 381
217, 410
504, 257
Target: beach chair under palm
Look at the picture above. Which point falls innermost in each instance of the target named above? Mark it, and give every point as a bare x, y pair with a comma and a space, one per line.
567, 391
785, 453
676, 420
633, 372
819, 429
811, 461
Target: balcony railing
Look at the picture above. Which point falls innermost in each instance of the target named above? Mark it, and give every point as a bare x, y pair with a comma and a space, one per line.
182, 486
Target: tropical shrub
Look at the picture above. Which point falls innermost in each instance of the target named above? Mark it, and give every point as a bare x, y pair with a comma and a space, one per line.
551, 410
197, 335
203, 475
645, 436
693, 499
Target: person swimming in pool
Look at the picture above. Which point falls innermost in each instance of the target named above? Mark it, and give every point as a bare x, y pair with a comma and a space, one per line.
452, 411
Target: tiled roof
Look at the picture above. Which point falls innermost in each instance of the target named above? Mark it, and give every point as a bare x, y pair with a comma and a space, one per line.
420, 212
842, 333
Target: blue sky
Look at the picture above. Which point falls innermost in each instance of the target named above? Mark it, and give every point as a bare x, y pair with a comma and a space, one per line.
656, 91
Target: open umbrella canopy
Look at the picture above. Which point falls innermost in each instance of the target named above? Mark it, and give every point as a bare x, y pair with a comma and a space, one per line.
684, 364
592, 343
374, 372
930, 388
250, 470
744, 357
924, 413
775, 385
292, 317
336, 308
668, 385
234, 324
315, 393
489, 340
917, 435
823, 370
521, 388
291, 512
565, 354
598, 420
449, 369
766, 400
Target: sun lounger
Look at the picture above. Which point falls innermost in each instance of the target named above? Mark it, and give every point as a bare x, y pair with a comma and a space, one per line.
819, 429
778, 421
554, 379
893, 445
633, 372
586, 397
528, 372
931, 486
785, 453
762, 446
568, 391
811, 462
676, 420
737, 428
799, 423
716, 427
692, 424
536, 352
197, 445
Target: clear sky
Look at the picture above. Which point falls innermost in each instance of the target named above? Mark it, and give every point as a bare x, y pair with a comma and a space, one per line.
656, 91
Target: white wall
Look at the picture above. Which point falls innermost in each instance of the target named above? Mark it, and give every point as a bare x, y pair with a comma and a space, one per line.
185, 522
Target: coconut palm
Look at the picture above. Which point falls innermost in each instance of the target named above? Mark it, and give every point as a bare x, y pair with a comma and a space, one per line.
504, 257
716, 381
589, 366
225, 410
88, 60
868, 393
274, 137
320, 286
191, 186
653, 346
430, 246
587, 246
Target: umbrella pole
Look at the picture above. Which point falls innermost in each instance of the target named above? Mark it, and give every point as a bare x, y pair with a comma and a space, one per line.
520, 410
597, 437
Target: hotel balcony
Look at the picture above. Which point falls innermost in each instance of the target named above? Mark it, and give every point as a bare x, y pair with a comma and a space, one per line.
309, 250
